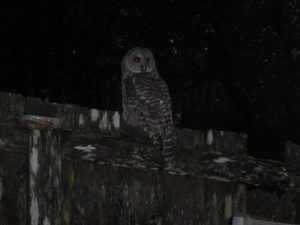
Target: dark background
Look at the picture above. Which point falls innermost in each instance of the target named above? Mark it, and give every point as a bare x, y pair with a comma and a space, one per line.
231, 65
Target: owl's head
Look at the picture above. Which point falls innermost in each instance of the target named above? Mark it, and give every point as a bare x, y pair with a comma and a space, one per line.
138, 60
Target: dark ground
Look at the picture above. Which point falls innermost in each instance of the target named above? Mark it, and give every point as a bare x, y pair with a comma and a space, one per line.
231, 65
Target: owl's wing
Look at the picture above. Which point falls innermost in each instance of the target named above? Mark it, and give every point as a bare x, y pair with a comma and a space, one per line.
155, 104
129, 101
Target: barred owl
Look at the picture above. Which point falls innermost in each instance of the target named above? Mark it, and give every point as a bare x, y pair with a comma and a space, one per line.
146, 99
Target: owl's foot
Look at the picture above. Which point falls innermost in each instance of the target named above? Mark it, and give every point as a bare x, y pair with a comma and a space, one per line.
135, 134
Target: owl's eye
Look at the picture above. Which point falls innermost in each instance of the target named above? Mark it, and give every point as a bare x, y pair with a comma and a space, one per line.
137, 59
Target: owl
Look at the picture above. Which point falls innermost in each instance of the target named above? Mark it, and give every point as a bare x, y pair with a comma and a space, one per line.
146, 100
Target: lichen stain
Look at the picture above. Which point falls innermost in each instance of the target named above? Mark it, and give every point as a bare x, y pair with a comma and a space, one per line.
87, 148
159, 222
152, 196
81, 120
34, 164
46, 221
170, 215
125, 191
66, 216
103, 191
209, 138
213, 210
71, 179
116, 120
56, 182
94, 115
222, 133
197, 140
1, 189
104, 122
215, 204
34, 160
222, 160
34, 210
3, 142
228, 206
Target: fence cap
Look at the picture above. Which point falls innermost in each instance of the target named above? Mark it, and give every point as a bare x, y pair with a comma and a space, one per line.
241, 214
41, 122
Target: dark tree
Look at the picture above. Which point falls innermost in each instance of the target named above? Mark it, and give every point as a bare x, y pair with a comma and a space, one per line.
230, 65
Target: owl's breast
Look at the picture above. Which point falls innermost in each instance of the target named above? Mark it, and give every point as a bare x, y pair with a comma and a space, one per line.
129, 101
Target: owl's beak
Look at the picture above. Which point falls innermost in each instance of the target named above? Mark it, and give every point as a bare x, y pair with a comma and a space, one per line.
143, 68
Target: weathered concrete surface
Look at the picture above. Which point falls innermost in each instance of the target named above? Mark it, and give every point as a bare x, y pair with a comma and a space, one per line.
13, 136
213, 155
213, 140
128, 196
100, 194
103, 149
292, 154
279, 206
44, 177
109, 178
14, 198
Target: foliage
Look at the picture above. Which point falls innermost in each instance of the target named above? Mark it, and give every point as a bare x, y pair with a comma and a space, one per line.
230, 64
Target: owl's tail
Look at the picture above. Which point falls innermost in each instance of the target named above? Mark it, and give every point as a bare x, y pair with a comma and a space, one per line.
168, 144
163, 143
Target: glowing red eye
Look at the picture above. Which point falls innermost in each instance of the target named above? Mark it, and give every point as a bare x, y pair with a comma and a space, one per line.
137, 59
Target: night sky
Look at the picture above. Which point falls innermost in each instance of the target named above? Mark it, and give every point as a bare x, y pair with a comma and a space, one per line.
230, 65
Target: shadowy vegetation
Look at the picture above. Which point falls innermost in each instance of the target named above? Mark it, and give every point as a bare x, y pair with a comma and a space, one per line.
231, 65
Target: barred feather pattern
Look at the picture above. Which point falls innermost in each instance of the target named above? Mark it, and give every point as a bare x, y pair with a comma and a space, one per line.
147, 104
